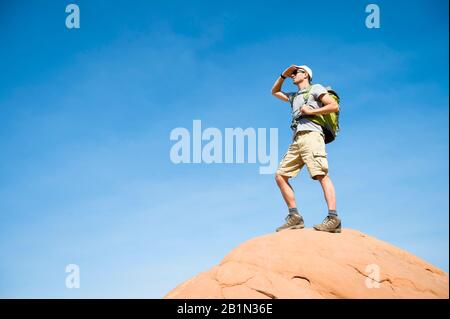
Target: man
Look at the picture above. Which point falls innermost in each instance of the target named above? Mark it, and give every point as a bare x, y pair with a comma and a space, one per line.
308, 146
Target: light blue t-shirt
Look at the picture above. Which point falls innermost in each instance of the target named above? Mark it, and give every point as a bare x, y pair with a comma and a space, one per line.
297, 100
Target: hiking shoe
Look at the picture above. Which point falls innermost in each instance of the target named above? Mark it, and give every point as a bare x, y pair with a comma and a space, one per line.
331, 224
293, 221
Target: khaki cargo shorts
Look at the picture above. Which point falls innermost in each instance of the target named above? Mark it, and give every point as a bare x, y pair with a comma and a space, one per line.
307, 148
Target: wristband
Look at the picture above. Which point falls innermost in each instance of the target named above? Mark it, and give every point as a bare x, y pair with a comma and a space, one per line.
282, 76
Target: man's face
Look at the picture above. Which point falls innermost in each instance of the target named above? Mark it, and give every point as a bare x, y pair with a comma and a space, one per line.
298, 76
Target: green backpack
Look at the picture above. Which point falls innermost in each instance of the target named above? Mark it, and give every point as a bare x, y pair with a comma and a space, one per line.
328, 122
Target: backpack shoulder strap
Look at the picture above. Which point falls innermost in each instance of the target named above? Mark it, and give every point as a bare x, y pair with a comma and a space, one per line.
305, 94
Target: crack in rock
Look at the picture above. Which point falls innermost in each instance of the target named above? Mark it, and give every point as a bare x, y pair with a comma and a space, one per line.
268, 294
303, 278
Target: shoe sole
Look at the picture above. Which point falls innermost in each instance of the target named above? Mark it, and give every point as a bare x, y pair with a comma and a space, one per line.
292, 227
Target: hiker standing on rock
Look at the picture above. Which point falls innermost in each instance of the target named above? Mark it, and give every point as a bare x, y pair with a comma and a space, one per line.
315, 113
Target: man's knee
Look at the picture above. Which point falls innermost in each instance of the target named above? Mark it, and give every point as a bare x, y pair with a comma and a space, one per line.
281, 179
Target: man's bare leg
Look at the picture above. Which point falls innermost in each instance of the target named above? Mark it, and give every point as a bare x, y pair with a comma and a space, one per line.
332, 222
328, 191
293, 220
286, 190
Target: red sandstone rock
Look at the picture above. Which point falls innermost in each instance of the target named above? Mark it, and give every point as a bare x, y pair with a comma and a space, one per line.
311, 264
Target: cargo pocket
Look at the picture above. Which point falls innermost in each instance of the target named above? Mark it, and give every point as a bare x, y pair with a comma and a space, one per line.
321, 161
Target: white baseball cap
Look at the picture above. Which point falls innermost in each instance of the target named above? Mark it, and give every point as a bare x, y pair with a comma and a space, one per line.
308, 70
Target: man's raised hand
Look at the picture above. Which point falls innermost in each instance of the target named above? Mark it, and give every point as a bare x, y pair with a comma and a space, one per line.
288, 72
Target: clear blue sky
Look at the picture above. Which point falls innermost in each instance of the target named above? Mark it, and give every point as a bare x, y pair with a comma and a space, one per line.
85, 174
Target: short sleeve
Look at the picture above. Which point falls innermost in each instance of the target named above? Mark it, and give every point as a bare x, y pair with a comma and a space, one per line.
318, 90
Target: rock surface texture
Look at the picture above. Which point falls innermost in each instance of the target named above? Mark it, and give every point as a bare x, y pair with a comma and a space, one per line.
310, 264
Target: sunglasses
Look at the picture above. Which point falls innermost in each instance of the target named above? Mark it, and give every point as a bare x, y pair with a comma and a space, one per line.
298, 70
